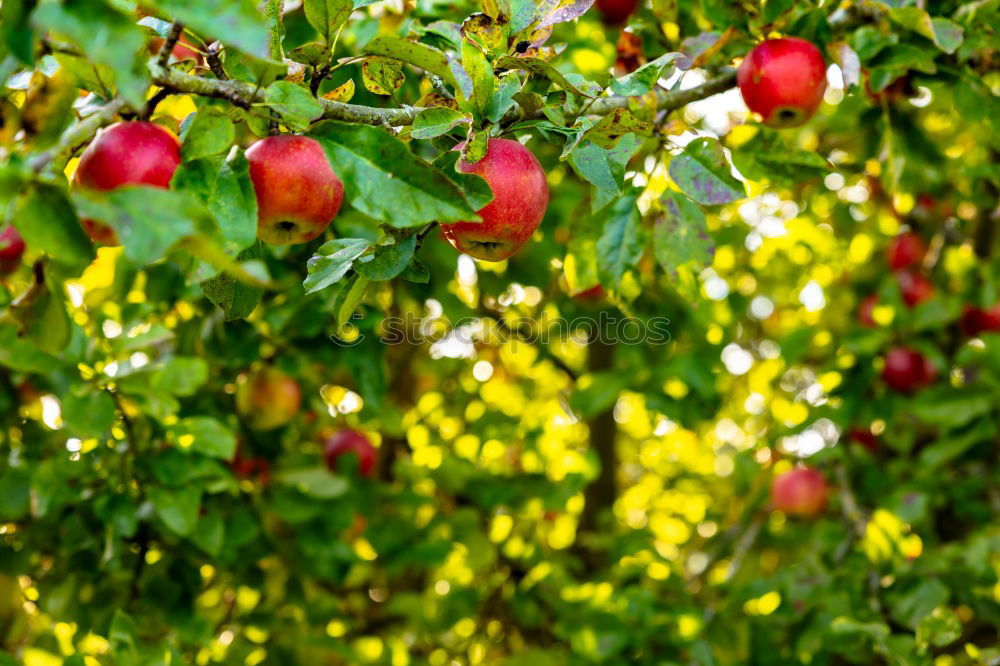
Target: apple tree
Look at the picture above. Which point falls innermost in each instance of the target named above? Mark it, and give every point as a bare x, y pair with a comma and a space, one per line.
558, 332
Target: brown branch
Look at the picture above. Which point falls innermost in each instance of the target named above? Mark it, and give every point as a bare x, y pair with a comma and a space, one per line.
214, 62
163, 57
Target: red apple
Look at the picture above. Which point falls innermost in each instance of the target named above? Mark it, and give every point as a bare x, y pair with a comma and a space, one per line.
866, 309
976, 321
520, 197
128, 153
801, 491
783, 80
905, 250
915, 287
865, 438
298, 194
183, 50
350, 442
594, 294
907, 370
268, 399
616, 11
11, 249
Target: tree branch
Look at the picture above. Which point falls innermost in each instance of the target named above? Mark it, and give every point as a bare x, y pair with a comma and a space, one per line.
163, 58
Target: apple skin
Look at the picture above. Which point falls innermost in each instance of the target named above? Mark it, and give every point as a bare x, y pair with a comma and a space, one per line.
11, 250
865, 311
915, 287
126, 153
298, 194
905, 250
976, 321
345, 442
800, 492
520, 197
595, 294
783, 80
615, 12
865, 438
268, 399
907, 370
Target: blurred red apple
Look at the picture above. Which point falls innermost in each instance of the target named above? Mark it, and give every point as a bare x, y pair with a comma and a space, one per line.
907, 370
976, 320
905, 250
616, 11
801, 491
914, 287
350, 442
866, 309
11, 249
268, 399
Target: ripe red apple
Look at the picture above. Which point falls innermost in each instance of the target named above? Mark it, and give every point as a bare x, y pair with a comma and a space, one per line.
907, 370
298, 194
915, 287
520, 197
616, 11
127, 153
976, 320
783, 80
801, 491
865, 437
11, 249
345, 442
268, 399
905, 250
866, 309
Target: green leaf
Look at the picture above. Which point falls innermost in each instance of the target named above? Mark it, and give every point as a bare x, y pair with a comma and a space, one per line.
542, 69
949, 407
177, 507
315, 482
348, 299
767, 158
384, 180
40, 311
382, 76
327, 16
681, 234
556, 11
620, 246
612, 127
474, 187
15, 493
436, 121
425, 57
16, 33
209, 133
599, 395
604, 168
388, 261
88, 413
642, 80
227, 191
296, 106
235, 22
179, 375
478, 66
236, 298
107, 36
332, 261
949, 448
45, 219
946, 34
205, 435
210, 533
521, 13
940, 627
122, 634
19, 354
918, 602
703, 173
149, 221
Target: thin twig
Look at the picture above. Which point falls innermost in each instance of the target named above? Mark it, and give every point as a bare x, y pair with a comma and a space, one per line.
163, 58
215, 62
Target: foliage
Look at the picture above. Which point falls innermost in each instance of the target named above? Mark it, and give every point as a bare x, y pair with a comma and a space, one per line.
539, 499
